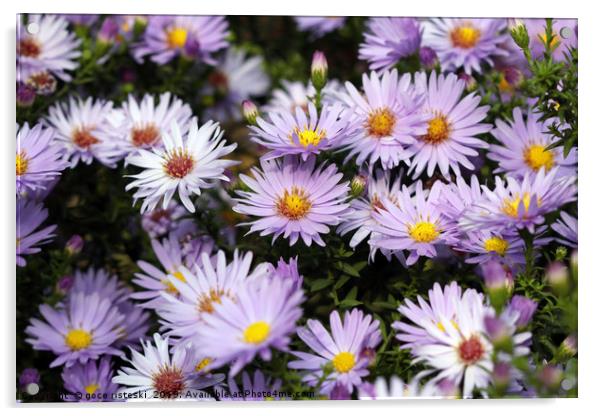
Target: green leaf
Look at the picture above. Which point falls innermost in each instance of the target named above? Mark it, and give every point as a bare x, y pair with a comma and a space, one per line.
320, 284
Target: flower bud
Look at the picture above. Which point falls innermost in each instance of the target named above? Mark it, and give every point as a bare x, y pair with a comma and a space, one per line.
29, 376
339, 392
64, 284
498, 281
74, 244
44, 83
568, 348
550, 376
520, 34
108, 31
557, 276
524, 307
191, 47
370, 355
574, 264
250, 112
499, 333
26, 95
319, 70
358, 185
501, 375
428, 57
470, 81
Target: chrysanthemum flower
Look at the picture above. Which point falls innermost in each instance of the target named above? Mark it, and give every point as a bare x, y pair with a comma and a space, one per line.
507, 248
520, 204
201, 289
234, 80
155, 281
524, 147
92, 281
38, 159
448, 334
157, 374
456, 197
288, 134
142, 124
453, 125
465, 43
566, 228
83, 130
260, 388
185, 163
29, 217
293, 199
389, 114
319, 25
343, 351
415, 224
389, 39
262, 317
360, 216
166, 37
52, 49
89, 382
86, 328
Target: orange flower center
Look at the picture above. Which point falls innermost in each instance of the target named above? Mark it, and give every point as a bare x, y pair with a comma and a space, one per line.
438, 130
83, 138
293, 205
29, 47
179, 164
380, 122
145, 136
465, 36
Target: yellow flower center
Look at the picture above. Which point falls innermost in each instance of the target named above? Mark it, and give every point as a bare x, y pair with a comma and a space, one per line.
536, 156
293, 205
21, 163
202, 364
423, 232
307, 137
256, 333
496, 244
465, 36
78, 339
438, 130
510, 207
380, 122
207, 301
91, 388
176, 37
169, 286
343, 362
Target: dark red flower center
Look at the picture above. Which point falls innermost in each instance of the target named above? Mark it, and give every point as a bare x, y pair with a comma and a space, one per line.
179, 164
83, 138
471, 350
145, 136
29, 47
169, 382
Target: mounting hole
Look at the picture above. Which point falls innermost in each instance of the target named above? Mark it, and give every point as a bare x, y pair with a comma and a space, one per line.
33, 28
32, 389
566, 32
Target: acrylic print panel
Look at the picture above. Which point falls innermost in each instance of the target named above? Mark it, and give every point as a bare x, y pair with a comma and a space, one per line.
295, 208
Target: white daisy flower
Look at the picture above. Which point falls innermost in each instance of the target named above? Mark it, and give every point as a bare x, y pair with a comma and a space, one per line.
158, 375
185, 164
142, 124
83, 129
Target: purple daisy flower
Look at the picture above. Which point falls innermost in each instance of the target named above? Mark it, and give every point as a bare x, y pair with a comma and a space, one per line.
319, 25
454, 123
524, 146
520, 204
566, 227
465, 43
160, 222
263, 317
86, 328
389, 114
260, 388
389, 39
564, 37
344, 350
235, 79
166, 37
415, 224
293, 199
38, 160
29, 217
84, 131
155, 374
287, 271
140, 125
360, 216
204, 286
456, 197
288, 134
293, 94
51, 49
90, 382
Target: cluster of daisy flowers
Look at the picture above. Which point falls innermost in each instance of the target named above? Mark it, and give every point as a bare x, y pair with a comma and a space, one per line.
198, 317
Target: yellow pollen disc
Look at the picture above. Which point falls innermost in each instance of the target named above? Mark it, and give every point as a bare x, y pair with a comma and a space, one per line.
294, 205
496, 244
91, 388
202, 364
423, 232
21, 163
307, 137
465, 36
78, 339
256, 333
380, 122
536, 156
438, 130
343, 362
176, 37
510, 207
